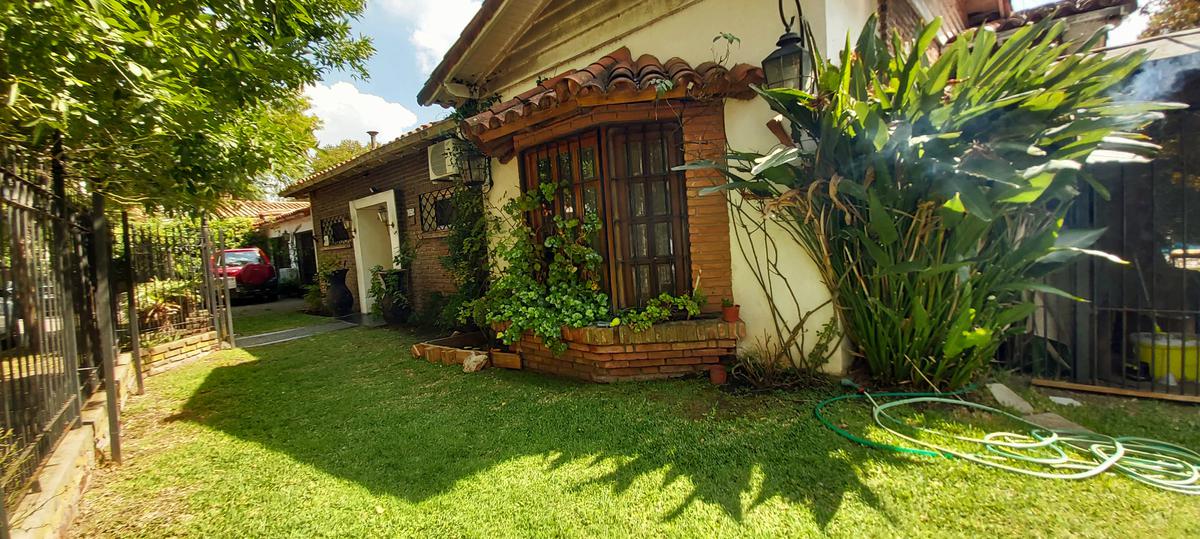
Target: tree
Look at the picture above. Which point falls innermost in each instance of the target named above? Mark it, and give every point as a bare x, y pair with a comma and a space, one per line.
1168, 16
174, 103
332, 154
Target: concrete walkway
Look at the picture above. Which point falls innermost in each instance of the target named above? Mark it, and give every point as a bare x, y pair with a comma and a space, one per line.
285, 335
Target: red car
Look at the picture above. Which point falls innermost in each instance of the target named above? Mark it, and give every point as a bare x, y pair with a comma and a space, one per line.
247, 272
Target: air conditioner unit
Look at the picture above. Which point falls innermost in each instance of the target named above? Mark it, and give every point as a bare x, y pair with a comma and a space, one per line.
444, 157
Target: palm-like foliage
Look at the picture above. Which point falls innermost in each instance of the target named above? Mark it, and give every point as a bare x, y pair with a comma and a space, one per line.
932, 193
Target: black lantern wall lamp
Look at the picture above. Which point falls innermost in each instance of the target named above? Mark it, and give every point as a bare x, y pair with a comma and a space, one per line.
791, 64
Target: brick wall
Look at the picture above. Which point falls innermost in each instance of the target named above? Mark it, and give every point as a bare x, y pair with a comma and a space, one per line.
708, 216
159, 358
664, 350
408, 175
703, 138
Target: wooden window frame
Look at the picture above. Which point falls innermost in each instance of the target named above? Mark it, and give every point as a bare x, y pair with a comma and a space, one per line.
612, 187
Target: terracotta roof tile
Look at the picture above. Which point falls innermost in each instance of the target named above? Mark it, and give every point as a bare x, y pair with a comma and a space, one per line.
619, 72
284, 217
1062, 8
258, 209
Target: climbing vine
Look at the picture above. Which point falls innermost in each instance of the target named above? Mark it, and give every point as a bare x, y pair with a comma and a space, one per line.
550, 278
467, 260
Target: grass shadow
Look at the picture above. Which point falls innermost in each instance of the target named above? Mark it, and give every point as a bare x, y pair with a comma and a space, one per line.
355, 405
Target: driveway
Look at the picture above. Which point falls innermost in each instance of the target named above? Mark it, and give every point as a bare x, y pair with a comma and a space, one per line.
282, 305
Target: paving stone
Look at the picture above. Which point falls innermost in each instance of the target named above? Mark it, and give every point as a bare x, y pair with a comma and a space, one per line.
1054, 421
276, 337
1065, 401
1009, 398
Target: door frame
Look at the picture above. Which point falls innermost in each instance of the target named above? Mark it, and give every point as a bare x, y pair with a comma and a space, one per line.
364, 273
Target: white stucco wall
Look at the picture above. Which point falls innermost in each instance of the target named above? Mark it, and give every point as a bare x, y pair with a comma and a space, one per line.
689, 34
291, 226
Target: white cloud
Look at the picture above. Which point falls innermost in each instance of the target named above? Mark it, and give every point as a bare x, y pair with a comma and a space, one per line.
1129, 29
347, 113
436, 25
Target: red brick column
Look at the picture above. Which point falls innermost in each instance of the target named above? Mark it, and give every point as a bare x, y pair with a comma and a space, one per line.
708, 215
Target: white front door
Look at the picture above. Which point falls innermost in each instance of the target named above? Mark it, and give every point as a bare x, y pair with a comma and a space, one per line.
376, 239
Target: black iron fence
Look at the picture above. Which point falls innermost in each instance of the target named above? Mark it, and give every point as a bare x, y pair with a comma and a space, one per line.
45, 366
74, 293
165, 262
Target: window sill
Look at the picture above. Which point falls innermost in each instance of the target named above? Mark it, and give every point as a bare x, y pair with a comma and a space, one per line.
337, 247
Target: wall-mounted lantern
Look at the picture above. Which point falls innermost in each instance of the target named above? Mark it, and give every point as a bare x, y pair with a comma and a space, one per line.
791, 64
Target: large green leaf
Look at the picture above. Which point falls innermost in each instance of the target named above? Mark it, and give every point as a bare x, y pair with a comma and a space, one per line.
881, 220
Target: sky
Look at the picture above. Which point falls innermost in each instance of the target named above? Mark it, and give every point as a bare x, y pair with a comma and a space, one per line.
410, 37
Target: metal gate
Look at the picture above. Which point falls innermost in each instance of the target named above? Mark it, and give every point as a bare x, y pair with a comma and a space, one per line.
1138, 332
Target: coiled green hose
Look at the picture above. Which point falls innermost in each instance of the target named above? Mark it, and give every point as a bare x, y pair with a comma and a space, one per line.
1156, 463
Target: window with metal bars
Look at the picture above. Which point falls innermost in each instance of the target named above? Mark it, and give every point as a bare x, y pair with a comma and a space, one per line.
335, 230
437, 210
623, 174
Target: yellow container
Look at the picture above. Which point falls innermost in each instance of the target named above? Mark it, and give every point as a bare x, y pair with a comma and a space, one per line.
1171, 353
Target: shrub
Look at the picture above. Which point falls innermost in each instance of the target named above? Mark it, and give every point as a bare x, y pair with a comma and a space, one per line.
547, 284
387, 289
314, 299
932, 194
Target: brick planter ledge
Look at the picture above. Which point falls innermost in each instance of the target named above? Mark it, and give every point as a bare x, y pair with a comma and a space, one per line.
665, 350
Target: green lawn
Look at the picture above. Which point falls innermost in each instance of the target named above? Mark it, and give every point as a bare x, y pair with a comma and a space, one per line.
255, 324
344, 434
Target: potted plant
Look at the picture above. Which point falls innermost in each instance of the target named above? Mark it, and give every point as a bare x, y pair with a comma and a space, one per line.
387, 289
730, 312
338, 299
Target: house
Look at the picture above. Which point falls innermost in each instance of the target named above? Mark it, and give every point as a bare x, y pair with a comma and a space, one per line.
365, 210
291, 245
611, 94
287, 228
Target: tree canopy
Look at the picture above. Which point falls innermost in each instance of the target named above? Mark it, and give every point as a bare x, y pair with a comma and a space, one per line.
175, 103
332, 154
1168, 16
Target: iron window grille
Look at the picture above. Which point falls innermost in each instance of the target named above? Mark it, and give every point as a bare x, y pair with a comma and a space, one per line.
335, 230
437, 210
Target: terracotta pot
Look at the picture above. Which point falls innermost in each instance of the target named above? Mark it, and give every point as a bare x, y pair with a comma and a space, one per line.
338, 298
731, 314
717, 375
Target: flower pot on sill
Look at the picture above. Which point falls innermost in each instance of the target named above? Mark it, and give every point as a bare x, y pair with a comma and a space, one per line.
717, 375
731, 314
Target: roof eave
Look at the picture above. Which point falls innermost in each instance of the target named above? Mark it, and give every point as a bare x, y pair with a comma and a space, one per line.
434, 91
371, 158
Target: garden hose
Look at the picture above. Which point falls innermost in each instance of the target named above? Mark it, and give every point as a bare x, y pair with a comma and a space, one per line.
1039, 452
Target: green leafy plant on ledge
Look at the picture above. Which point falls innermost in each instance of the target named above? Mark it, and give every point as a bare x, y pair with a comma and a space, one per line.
932, 194
660, 309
